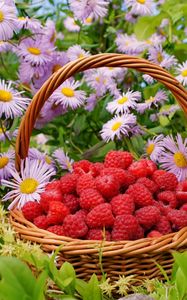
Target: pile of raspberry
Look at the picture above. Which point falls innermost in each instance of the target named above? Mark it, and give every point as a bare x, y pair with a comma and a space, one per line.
119, 199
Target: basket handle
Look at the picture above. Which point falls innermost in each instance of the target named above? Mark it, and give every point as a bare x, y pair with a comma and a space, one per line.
94, 61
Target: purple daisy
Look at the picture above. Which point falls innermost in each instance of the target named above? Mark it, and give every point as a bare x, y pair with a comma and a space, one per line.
174, 156
129, 44
154, 147
28, 184
5, 46
140, 7
71, 25
35, 154
118, 127
159, 98
148, 79
7, 21
159, 56
41, 139
76, 52
7, 164
182, 70
91, 102
33, 25
63, 160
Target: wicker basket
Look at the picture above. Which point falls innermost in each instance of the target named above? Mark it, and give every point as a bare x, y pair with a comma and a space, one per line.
88, 257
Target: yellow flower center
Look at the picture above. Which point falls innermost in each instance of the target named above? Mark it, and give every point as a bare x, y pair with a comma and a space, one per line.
48, 160
56, 68
122, 100
184, 73
34, 51
81, 55
1, 16
88, 20
151, 99
149, 42
150, 148
159, 57
2, 129
180, 160
28, 186
116, 126
68, 92
3, 161
5, 96
141, 1
21, 18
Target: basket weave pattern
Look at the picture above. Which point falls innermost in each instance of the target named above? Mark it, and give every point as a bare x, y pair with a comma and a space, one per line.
118, 258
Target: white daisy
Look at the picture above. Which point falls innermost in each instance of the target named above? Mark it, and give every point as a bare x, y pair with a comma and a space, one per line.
118, 127
140, 7
35, 154
7, 164
7, 21
63, 159
182, 70
27, 185
159, 98
12, 104
68, 96
154, 147
75, 52
124, 102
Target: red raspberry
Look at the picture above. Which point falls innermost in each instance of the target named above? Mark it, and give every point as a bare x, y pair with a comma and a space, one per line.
148, 216
125, 224
75, 226
82, 166
41, 222
100, 216
119, 234
118, 159
90, 198
31, 210
82, 213
96, 168
168, 198
178, 218
122, 204
184, 207
154, 234
139, 168
164, 210
98, 234
57, 229
148, 183
72, 202
151, 167
139, 233
140, 194
56, 213
107, 185
86, 181
157, 174
124, 177
167, 181
50, 196
68, 183
163, 226
54, 185
181, 192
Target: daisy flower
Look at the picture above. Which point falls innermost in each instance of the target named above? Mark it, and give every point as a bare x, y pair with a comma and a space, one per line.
68, 96
28, 23
89, 20
154, 40
140, 7
91, 102
63, 159
35, 154
154, 147
30, 71
28, 184
83, 8
41, 139
159, 98
71, 25
124, 102
75, 52
49, 32
118, 127
149, 79
129, 44
11, 102
7, 21
7, 164
159, 56
182, 70
174, 156
35, 52
4, 46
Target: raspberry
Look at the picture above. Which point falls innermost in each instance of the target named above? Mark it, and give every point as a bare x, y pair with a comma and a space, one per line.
119, 234
157, 174
125, 224
148, 183
96, 168
178, 218
41, 222
72, 202
107, 185
82, 213
57, 229
151, 167
75, 226
100, 216
86, 181
124, 177
90, 198
139, 233
31, 210
139, 168
56, 213
181, 192
184, 207
98, 234
154, 234
50, 196
140, 194
164, 210
53, 185
82, 166
163, 226
148, 216
122, 204
167, 181
118, 159
68, 183
168, 198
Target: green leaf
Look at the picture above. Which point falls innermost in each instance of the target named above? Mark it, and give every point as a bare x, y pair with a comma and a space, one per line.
180, 282
67, 274
180, 259
92, 291
40, 286
17, 281
80, 286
